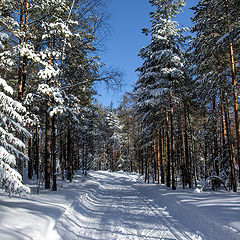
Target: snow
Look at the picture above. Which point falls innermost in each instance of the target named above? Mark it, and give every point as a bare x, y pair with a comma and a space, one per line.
3, 37
197, 190
111, 206
5, 86
48, 72
10, 179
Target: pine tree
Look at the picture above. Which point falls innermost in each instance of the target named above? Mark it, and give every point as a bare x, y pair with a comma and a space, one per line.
216, 24
161, 74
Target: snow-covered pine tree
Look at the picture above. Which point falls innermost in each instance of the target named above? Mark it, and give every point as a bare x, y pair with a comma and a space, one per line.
162, 71
100, 142
12, 124
114, 140
214, 57
17, 21
129, 120
52, 33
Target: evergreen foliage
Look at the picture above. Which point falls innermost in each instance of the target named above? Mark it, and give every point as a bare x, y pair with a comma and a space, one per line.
12, 122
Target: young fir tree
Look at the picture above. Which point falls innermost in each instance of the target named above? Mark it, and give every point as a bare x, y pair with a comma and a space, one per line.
12, 122
161, 73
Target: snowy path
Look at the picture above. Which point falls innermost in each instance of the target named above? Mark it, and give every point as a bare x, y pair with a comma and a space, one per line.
114, 206
118, 206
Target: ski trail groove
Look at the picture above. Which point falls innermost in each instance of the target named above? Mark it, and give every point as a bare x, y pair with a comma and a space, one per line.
113, 207
162, 217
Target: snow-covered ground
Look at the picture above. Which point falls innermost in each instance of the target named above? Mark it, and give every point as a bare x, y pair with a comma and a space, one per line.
111, 206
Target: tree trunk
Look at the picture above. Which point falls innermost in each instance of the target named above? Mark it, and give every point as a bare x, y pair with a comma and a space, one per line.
215, 137
69, 159
162, 163
154, 166
20, 99
172, 141
231, 146
48, 130
235, 94
184, 165
186, 147
20, 89
146, 165
224, 154
158, 156
47, 148
61, 154
54, 160
25, 60
191, 153
142, 163
36, 151
30, 161
168, 158
104, 158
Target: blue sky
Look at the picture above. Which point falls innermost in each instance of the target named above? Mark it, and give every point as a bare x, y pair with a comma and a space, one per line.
128, 17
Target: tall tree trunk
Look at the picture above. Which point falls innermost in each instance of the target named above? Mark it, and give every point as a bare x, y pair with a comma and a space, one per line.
172, 141
234, 85
142, 162
168, 158
158, 156
128, 147
20, 97
194, 163
36, 151
146, 165
215, 137
206, 167
48, 134
54, 160
61, 154
224, 154
190, 155
78, 158
20, 89
69, 159
104, 157
72, 159
25, 60
154, 166
186, 147
22, 68
47, 148
30, 161
162, 163
184, 165
231, 146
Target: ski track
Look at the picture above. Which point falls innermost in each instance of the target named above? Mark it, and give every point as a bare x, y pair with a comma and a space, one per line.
118, 208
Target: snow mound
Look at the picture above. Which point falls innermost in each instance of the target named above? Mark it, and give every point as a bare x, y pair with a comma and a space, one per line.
197, 190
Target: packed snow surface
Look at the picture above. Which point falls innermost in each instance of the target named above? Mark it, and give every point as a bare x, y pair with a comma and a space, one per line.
111, 206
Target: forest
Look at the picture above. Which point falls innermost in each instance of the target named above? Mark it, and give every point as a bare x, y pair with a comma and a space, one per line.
179, 126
